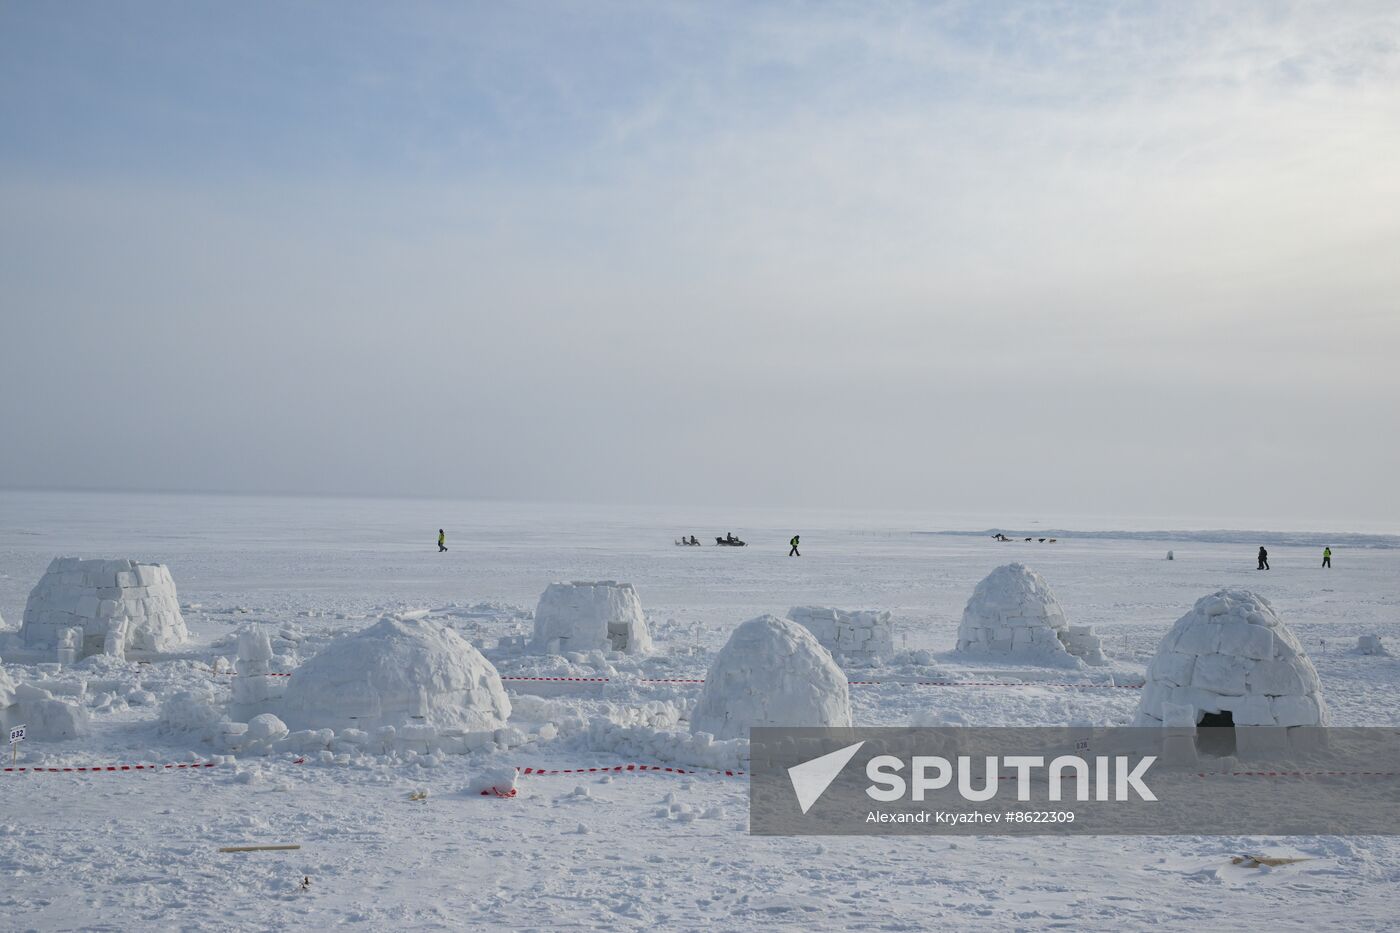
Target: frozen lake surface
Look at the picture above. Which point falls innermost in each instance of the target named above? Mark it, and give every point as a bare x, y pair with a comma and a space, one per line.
122, 850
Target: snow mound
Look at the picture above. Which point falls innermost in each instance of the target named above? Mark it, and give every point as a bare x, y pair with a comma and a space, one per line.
1013, 613
45, 716
1232, 654
771, 672
400, 673
493, 782
197, 711
115, 606
860, 635
582, 616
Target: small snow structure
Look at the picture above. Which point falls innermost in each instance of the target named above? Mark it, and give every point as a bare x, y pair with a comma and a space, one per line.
865, 635
1013, 613
582, 616
1233, 662
1371, 645
494, 782
771, 672
403, 674
116, 605
45, 716
255, 687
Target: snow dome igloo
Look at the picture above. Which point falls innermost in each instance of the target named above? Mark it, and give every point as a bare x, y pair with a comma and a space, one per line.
771, 672
583, 616
398, 672
1013, 612
134, 602
1233, 662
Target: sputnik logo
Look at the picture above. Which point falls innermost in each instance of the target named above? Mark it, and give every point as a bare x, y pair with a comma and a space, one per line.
811, 778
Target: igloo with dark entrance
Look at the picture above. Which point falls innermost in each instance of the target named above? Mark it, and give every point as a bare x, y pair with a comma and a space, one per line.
1231, 662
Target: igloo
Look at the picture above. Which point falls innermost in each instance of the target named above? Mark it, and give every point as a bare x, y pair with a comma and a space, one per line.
398, 672
1233, 662
115, 605
1013, 612
858, 635
771, 672
583, 616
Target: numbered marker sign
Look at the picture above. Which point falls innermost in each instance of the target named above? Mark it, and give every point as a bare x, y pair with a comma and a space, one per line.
17, 734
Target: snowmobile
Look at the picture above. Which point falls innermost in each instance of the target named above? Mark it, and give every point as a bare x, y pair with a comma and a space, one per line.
729, 541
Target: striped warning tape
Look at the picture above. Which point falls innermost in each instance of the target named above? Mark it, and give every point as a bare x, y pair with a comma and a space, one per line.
1298, 774
853, 683
580, 680
614, 769
111, 768
1272, 774
620, 769
634, 768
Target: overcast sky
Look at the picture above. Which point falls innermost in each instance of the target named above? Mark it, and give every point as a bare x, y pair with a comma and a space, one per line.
1079, 258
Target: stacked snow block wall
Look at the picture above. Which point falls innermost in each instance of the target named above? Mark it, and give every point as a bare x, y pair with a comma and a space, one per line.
1231, 653
254, 688
44, 716
115, 605
771, 672
584, 616
858, 635
1013, 612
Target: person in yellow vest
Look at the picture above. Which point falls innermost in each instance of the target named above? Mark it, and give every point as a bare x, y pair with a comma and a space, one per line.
1327, 557
442, 540
793, 542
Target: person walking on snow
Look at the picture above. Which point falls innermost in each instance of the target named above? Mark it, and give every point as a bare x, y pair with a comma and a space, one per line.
1263, 558
1327, 557
442, 540
793, 542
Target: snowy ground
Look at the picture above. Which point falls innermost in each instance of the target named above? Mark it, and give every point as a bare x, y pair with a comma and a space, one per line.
118, 850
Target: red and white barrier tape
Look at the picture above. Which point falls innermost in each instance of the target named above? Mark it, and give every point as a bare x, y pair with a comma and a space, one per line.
1299, 774
853, 683
622, 769
579, 680
700, 680
114, 768
615, 769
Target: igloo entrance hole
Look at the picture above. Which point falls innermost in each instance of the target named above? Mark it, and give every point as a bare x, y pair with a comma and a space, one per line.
1216, 737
